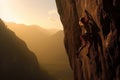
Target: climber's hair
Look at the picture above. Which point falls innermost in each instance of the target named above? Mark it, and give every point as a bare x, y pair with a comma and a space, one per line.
82, 19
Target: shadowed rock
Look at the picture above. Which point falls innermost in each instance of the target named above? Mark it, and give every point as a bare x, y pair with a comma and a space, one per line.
92, 65
17, 62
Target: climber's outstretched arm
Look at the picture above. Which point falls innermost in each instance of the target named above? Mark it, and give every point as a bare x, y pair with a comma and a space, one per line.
88, 15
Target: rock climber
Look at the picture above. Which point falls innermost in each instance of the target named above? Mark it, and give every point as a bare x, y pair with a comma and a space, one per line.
92, 33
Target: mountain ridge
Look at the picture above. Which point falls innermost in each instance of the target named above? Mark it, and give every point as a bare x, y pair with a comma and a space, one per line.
48, 48
17, 62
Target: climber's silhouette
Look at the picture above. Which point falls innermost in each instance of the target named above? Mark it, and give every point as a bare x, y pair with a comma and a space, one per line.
92, 36
86, 35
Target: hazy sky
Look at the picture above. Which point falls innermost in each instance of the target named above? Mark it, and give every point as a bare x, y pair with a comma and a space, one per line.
39, 12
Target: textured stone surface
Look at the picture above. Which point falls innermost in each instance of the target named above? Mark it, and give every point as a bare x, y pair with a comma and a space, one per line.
98, 66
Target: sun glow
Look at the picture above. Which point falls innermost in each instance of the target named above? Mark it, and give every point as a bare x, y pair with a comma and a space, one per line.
29, 12
5, 12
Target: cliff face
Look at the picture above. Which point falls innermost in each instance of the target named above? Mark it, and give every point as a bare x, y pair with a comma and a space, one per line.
101, 65
17, 62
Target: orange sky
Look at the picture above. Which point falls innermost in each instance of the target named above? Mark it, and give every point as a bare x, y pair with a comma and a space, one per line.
38, 12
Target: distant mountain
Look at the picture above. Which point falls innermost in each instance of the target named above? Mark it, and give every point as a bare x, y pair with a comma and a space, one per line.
48, 46
17, 62
30, 28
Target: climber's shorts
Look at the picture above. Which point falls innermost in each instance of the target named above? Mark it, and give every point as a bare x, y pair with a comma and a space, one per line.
87, 36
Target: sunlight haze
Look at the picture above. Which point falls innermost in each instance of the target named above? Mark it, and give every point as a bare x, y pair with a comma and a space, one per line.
31, 33
29, 12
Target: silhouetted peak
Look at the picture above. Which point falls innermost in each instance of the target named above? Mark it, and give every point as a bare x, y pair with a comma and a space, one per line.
17, 62
2, 25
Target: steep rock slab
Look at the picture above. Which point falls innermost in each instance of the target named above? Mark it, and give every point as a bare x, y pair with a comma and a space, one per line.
101, 65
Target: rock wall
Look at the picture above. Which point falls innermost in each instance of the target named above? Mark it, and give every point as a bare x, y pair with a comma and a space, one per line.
101, 65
